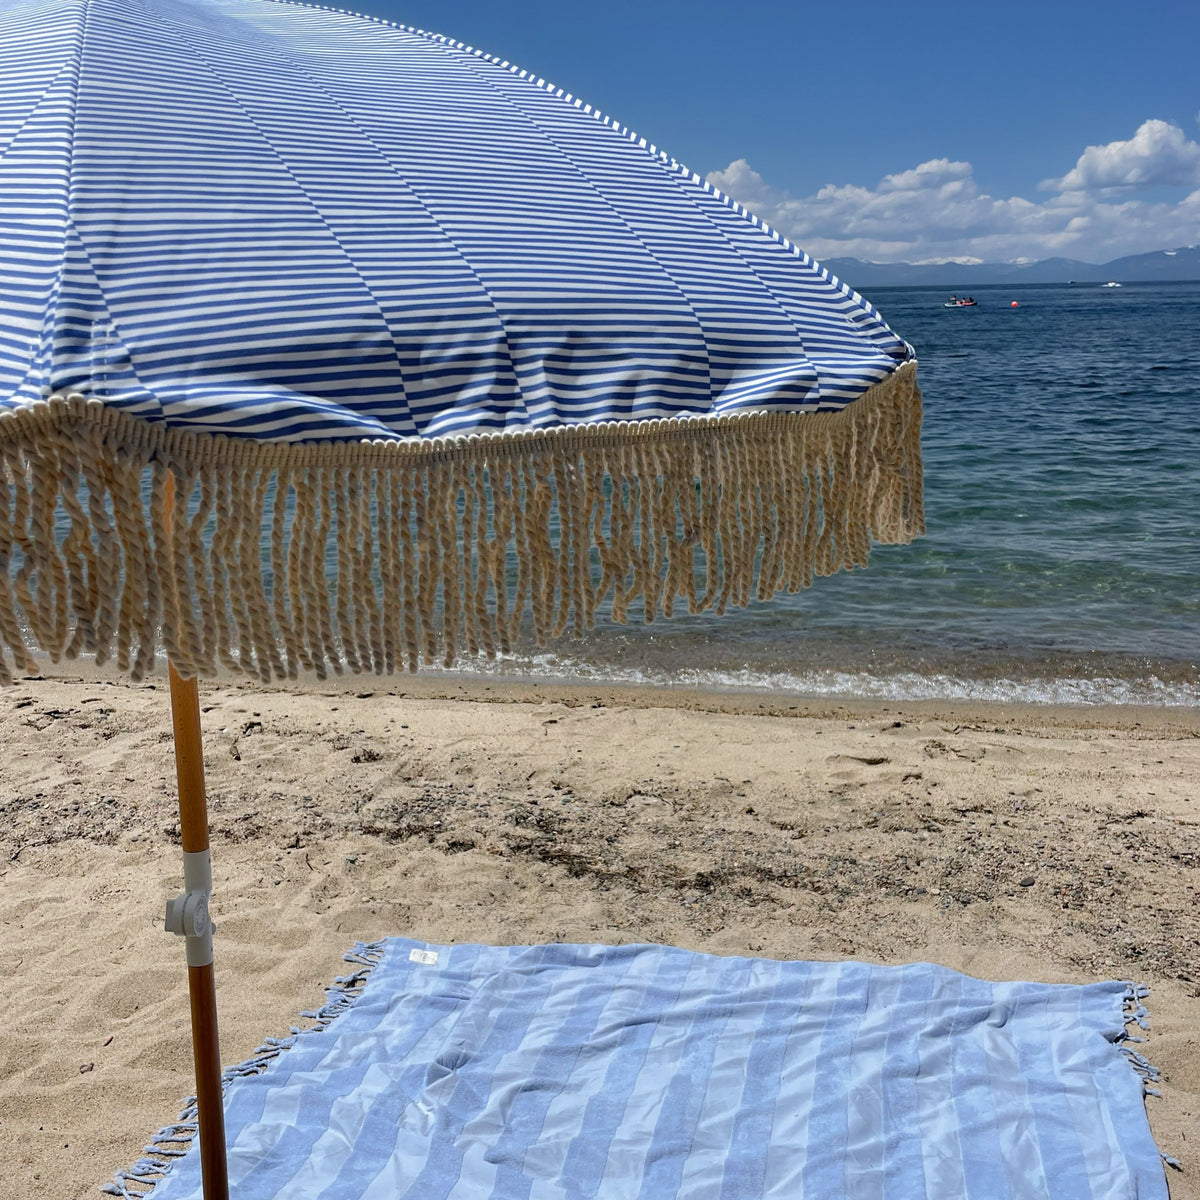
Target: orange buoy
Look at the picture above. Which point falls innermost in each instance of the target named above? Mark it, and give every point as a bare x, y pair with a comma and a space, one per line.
1013, 305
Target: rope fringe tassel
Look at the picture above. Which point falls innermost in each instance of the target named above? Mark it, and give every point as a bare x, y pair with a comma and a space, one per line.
378, 556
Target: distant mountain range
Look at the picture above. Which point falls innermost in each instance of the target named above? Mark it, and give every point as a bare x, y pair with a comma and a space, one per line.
1158, 266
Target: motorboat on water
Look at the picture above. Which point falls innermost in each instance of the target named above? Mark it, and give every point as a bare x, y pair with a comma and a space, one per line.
954, 302
1111, 283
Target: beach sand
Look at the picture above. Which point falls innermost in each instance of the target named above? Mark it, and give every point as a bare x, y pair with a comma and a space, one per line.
1011, 843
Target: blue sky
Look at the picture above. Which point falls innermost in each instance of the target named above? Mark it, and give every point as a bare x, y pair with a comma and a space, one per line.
919, 131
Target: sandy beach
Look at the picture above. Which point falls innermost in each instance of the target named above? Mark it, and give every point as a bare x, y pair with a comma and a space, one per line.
1039, 843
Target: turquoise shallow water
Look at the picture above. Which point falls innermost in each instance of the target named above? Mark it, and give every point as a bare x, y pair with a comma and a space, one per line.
1062, 454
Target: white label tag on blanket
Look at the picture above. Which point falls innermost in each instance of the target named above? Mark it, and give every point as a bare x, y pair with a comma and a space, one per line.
428, 957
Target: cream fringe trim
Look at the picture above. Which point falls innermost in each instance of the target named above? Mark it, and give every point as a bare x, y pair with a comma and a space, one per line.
437, 549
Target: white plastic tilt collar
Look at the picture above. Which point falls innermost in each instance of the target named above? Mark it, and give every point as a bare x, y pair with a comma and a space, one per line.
187, 915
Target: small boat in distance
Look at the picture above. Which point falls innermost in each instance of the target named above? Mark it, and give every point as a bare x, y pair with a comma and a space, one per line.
1111, 283
964, 302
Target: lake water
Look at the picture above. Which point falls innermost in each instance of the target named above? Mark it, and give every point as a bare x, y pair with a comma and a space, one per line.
1062, 561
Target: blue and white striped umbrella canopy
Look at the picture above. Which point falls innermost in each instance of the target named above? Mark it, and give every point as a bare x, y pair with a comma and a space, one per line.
416, 316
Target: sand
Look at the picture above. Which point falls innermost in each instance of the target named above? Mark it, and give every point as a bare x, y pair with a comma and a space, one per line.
1037, 843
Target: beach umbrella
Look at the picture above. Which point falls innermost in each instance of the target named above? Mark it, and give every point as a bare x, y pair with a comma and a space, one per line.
330, 344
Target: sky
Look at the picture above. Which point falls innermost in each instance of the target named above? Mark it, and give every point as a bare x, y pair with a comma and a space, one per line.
918, 131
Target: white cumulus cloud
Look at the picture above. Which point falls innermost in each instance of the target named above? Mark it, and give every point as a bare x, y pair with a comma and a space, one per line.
936, 173
936, 212
1158, 154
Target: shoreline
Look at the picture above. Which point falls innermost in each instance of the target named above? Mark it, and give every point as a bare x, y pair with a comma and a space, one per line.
1040, 680
491, 689
488, 810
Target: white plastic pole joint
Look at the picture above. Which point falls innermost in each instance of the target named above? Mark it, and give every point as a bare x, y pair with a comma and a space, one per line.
187, 914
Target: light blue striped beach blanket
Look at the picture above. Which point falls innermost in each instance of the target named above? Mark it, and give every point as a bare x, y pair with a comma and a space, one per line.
564, 1072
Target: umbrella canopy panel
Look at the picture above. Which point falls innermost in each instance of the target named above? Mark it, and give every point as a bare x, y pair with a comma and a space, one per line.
295, 257
287, 223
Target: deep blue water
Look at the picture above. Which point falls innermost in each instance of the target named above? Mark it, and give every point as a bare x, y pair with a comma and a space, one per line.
1062, 561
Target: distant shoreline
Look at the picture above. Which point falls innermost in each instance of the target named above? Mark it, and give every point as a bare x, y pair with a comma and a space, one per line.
1181, 265
1008, 285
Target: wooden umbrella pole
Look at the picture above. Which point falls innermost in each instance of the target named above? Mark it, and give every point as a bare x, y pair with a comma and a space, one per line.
189, 915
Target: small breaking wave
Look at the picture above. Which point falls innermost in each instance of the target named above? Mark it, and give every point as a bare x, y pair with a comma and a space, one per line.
830, 684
